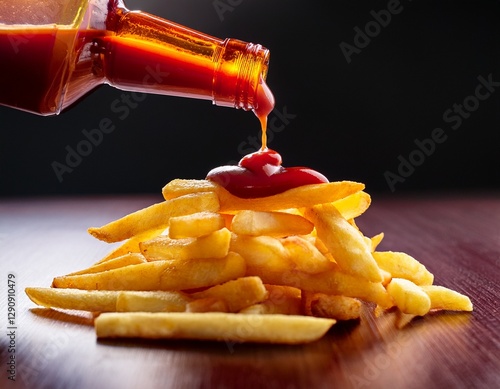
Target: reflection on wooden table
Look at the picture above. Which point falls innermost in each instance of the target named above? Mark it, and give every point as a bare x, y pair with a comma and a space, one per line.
456, 237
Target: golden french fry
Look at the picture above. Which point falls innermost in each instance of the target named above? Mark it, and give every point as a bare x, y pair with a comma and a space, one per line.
300, 197
113, 263
330, 282
236, 294
208, 304
278, 224
318, 243
402, 265
81, 300
151, 301
285, 329
214, 245
403, 319
290, 307
284, 300
386, 277
344, 242
332, 306
108, 300
195, 225
155, 216
353, 205
180, 187
131, 245
305, 256
161, 275
444, 298
261, 252
280, 293
352, 222
375, 241
409, 297
258, 309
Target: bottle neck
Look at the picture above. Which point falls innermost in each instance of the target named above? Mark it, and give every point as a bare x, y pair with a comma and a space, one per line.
143, 53
240, 68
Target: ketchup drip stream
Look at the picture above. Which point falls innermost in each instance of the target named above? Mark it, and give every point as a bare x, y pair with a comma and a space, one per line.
261, 174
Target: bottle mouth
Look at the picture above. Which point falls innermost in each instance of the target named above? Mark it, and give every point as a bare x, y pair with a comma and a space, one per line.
241, 66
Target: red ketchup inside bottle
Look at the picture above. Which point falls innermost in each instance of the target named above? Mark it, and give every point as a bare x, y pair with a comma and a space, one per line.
261, 173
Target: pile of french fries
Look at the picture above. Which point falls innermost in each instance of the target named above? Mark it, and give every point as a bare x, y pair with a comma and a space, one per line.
204, 264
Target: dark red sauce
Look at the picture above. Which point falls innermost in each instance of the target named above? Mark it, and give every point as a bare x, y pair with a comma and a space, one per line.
34, 67
261, 174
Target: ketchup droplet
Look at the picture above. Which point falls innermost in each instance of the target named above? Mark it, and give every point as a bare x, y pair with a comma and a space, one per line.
264, 106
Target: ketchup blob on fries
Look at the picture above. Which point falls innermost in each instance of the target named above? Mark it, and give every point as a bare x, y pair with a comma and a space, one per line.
261, 174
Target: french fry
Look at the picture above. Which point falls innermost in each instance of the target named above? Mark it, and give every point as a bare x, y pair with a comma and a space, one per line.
179, 187
208, 304
403, 319
284, 300
131, 245
353, 205
375, 241
291, 307
258, 309
318, 243
81, 300
261, 252
402, 265
113, 263
331, 306
386, 277
344, 242
214, 245
155, 216
280, 293
195, 225
409, 297
329, 282
160, 275
108, 300
305, 256
444, 298
277, 224
236, 294
284, 329
300, 197
151, 301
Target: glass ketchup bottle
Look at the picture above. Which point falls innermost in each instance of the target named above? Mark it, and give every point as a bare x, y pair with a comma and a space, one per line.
54, 52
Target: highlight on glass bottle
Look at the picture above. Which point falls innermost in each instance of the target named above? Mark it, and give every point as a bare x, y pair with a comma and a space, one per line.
55, 52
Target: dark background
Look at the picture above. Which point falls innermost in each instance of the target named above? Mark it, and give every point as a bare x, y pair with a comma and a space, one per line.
350, 121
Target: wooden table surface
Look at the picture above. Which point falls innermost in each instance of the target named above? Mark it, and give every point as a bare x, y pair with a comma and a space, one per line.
456, 236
